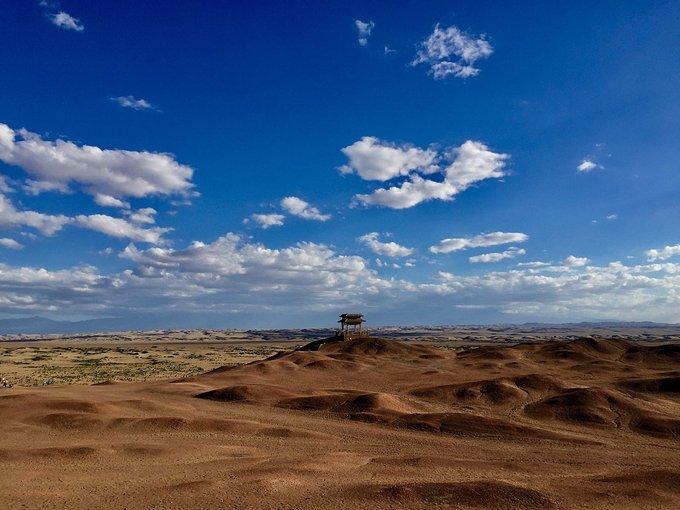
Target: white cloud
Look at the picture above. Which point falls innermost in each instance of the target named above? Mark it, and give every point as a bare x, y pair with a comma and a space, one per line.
452, 52
47, 224
11, 244
109, 201
612, 217
298, 207
510, 253
120, 228
473, 162
573, 261
376, 160
389, 249
364, 29
267, 220
53, 165
232, 275
533, 264
66, 21
479, 241
470, 163
307, 271
664, 253
133, 103
4, 185
144, 216
409, 193
587, 165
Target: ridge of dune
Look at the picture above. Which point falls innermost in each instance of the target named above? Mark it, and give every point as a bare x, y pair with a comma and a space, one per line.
343, 423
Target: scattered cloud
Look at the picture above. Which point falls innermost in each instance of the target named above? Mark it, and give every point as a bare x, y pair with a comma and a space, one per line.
452, 52
65, 21
375, 160
133, 103
479, 241
266, 221
298, 207
664, 253
612, 217
143, 216
120, 228
305, 272
389, 50
587, 165
533, 264
232, 275
364, 29
46, 224
54, 165
510, 253
108, 201
461, 167
11, 244
49, 224
573, 261
389, 249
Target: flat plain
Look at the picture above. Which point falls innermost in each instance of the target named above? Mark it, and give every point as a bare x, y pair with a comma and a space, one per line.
406, 418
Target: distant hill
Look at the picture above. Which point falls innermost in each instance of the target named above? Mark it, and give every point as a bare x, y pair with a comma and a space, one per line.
599, 324
43, 325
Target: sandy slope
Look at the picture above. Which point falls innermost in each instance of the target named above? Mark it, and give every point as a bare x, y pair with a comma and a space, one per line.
369, 423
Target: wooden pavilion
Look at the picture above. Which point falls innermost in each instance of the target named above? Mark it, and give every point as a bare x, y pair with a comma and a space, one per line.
350, 325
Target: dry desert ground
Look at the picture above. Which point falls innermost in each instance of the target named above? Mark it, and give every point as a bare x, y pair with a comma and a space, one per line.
583, 422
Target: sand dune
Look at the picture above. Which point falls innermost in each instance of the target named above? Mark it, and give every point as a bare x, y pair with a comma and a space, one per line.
589, 423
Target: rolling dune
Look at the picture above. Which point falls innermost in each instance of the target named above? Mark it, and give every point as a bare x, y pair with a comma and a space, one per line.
588, 423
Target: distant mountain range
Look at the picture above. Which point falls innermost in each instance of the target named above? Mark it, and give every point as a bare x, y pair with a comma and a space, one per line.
42, 325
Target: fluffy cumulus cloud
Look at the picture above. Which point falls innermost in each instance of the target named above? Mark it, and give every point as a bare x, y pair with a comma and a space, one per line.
457, 167
49, 224
232, 270
10, 244
377, 160
510, 253
298, 207
452, 52
108, 201
104, 173
65, 21
664, 253
478, 241
615, 291
364, 29
12, 218
587, 165
233, 275
389, 249
573, 261
266, 221
132, 102
144, 216
120, 228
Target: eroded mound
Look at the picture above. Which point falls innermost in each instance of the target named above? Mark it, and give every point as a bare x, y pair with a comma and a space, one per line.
597, 407
369, 346
475, 494
358, 405
247, 393
669, 385
499, 391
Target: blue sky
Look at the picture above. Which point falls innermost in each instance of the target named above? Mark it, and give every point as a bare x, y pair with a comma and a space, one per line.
277, 164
